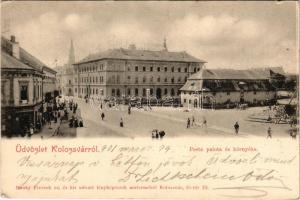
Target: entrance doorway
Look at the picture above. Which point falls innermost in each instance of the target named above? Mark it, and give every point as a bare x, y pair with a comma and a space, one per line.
158, 93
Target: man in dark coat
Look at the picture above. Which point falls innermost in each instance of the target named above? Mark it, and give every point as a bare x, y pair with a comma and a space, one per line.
236, 127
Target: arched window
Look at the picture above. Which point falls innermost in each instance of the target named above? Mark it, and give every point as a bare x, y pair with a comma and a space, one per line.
144, 79
144, 92
158, 79
172, 69
195, 70
118, 78
118, 92
136, 79
136, 92
179, 79
166, 79
128, 92
178, 92
172, 80
172, 92
151, 79
151, 91
179, 69
166, 91
112, 92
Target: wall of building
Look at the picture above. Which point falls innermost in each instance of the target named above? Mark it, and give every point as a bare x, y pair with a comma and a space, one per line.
49, 82
128, 75
188, 98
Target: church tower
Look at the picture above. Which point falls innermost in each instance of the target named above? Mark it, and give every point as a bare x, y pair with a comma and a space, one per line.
165, 48
71, 54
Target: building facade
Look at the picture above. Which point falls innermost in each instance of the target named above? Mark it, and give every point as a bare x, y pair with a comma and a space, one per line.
227, 87
130, 72
22, 96
50, 86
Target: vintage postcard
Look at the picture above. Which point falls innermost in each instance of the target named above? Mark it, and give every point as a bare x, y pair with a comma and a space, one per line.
150, 100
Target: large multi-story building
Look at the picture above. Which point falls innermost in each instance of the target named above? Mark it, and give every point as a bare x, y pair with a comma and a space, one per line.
130, 72
23, 81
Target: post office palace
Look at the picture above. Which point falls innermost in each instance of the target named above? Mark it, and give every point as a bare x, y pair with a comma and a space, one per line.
131, 72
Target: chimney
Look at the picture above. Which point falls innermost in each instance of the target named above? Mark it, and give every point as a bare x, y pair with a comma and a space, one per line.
13, 38
15, 48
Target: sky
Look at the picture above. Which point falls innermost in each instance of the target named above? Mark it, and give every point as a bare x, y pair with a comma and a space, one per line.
236, 35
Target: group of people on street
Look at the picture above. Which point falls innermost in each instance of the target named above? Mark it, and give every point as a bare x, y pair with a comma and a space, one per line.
191, 122
75, 122
61, 109
158, 134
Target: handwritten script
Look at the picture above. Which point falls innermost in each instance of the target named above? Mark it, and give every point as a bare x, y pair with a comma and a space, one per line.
227, 173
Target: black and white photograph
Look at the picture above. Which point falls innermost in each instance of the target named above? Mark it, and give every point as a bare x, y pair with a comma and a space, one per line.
149, 69
150, 100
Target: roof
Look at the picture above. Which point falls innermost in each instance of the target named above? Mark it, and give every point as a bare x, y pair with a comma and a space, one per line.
30, 60
192, 85
50, 69
233, 74
10, 62
134, 54
25, 57
229, 80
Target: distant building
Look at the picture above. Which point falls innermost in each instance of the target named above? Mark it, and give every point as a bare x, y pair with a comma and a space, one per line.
227, 87
22, 88
65, 75
131, 73
49, 83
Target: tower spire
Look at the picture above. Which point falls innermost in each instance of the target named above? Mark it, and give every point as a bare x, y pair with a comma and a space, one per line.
165, 44
71, 54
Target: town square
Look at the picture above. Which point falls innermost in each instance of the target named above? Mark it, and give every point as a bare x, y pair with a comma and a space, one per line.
120, 81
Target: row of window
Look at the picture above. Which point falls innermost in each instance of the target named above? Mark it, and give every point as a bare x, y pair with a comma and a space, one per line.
116, 79
144, 79
91, 79
117, 92
136, 92
161, 69
100, 67
92, 91
92, 68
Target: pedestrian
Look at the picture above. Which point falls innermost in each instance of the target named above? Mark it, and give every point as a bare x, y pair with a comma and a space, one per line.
80, 123
204, 122
188, 124
236, 127
55, 116
102, 116
121, 123
31, 130
129, 109
76, 123
193, 120
269, 132
101, 106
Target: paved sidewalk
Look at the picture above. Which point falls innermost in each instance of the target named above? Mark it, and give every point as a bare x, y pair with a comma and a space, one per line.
58, 129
